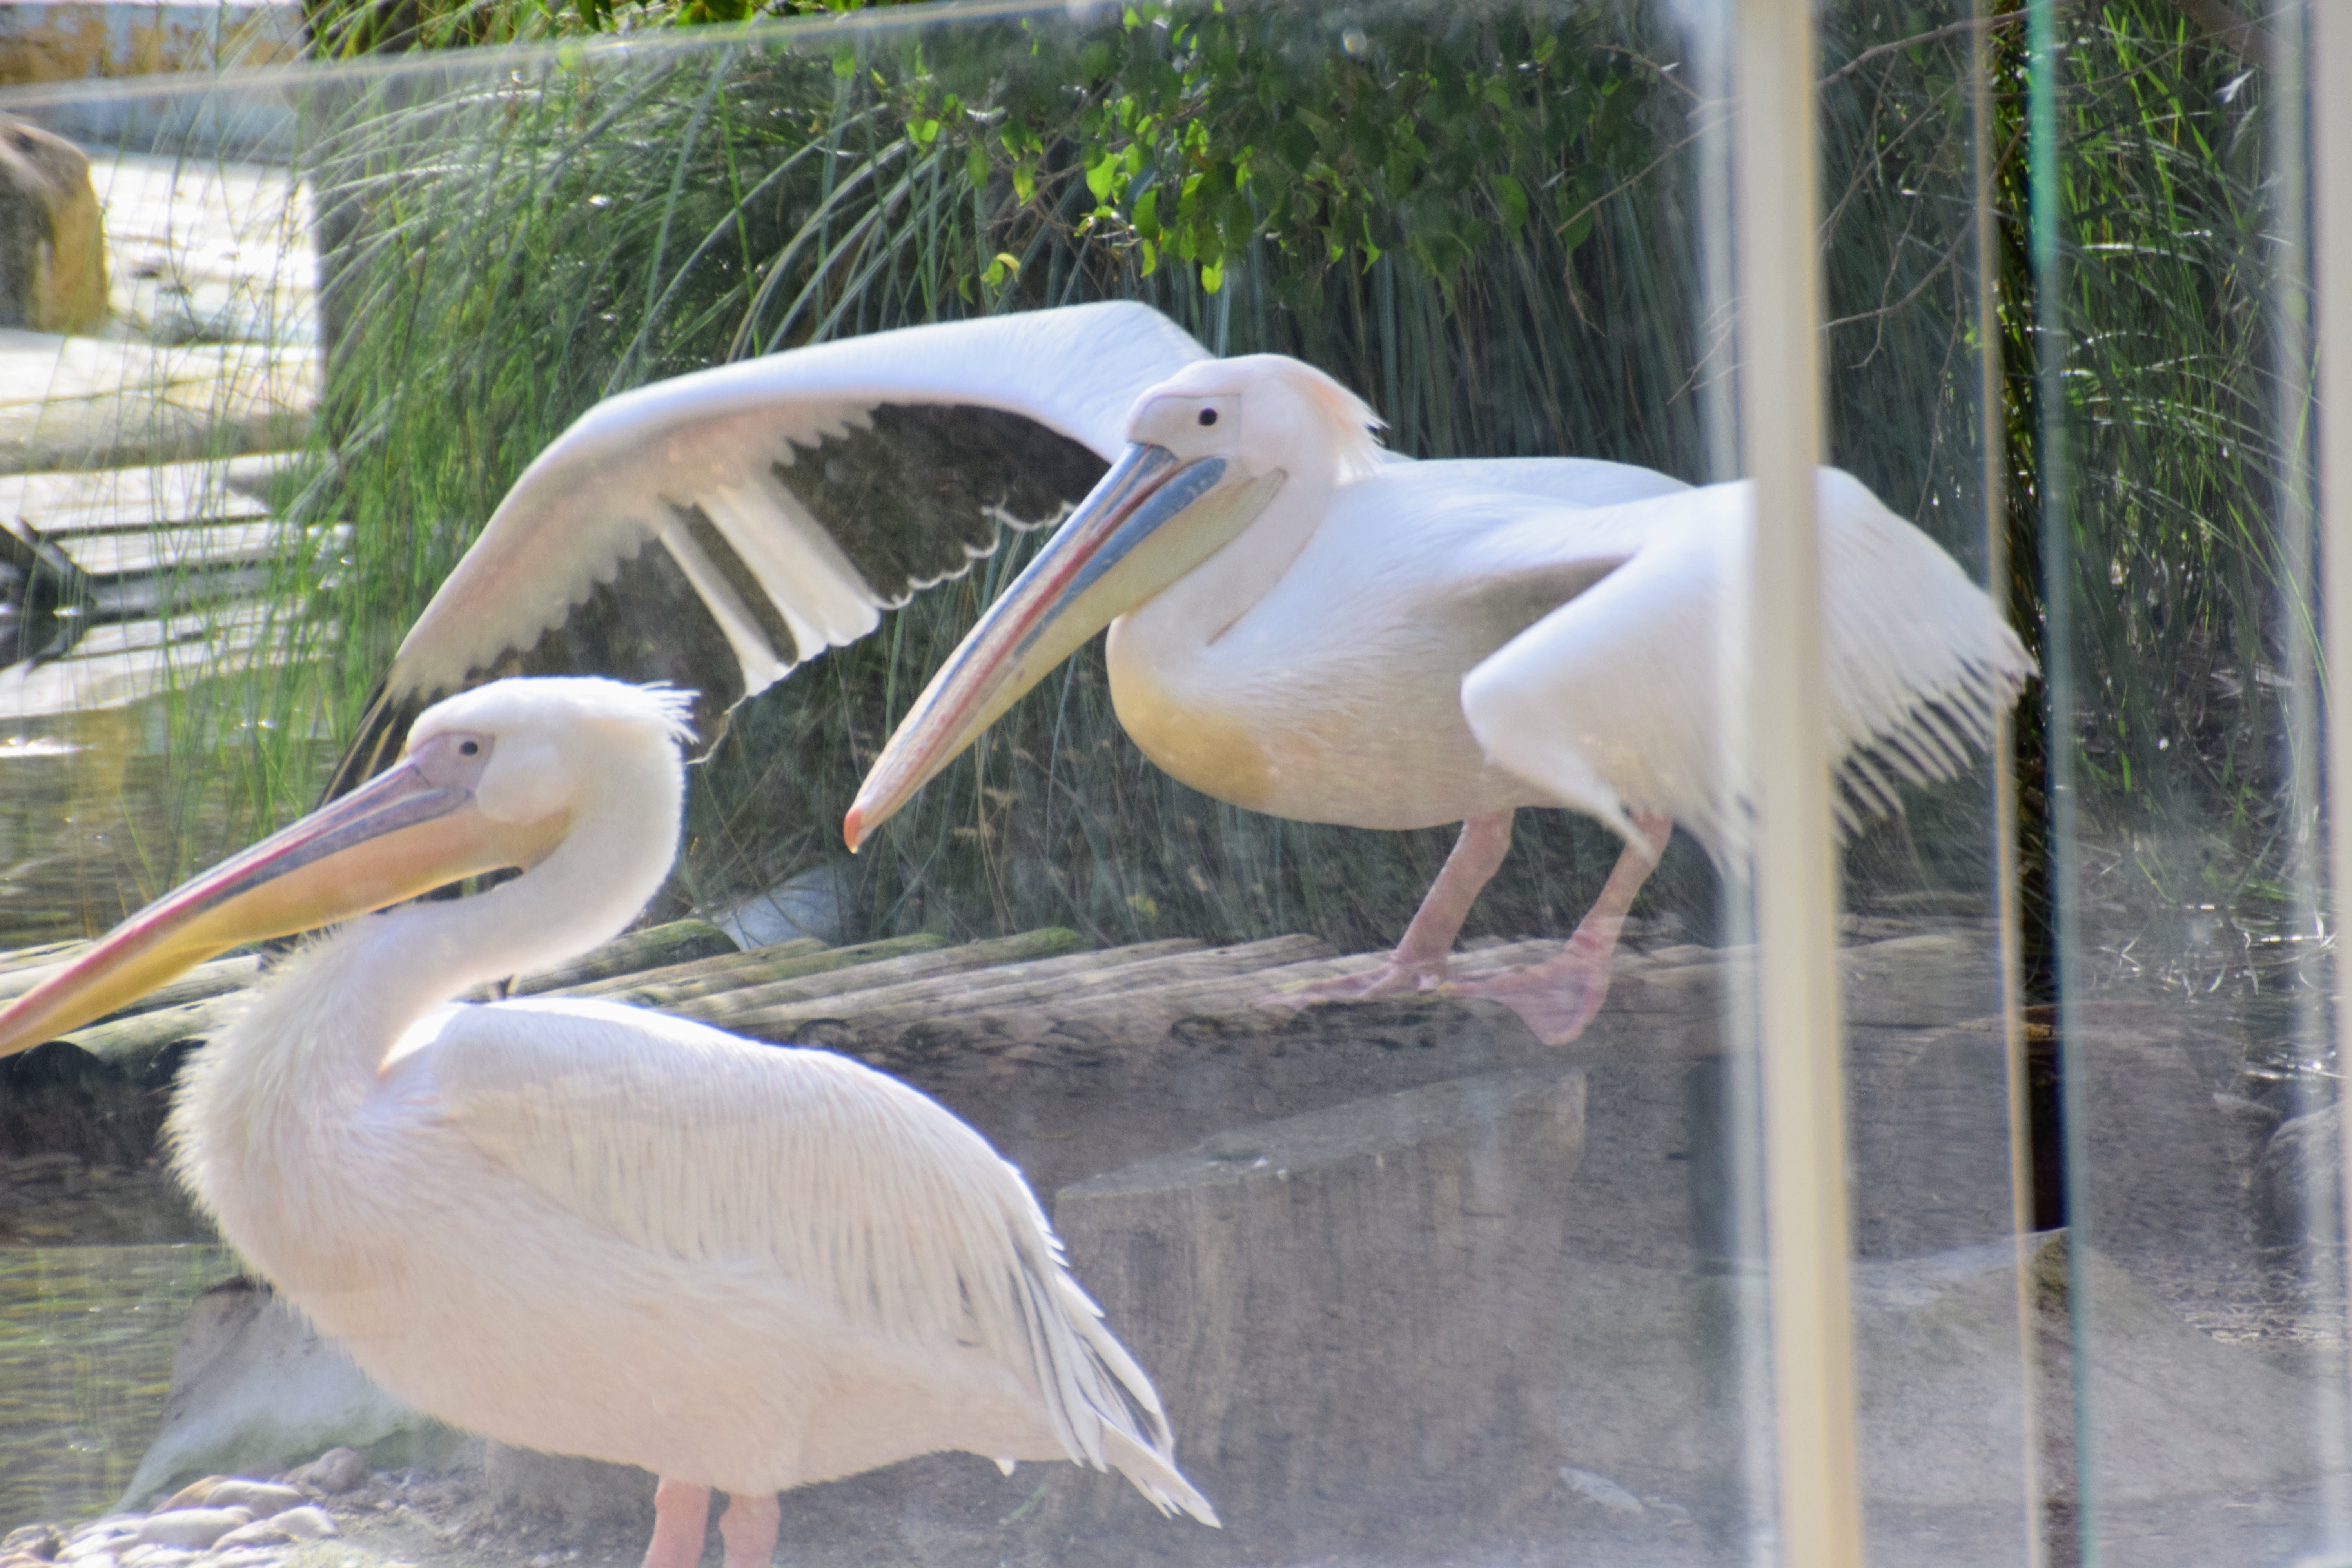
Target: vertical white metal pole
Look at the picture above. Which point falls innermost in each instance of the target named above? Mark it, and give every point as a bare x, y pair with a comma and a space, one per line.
1787, 726
2328, 84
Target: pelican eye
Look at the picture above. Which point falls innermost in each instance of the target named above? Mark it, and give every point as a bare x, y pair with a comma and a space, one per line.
469, 748
1208, 416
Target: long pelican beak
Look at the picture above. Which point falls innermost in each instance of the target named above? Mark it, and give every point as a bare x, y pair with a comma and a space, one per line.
404, 833
1116, 552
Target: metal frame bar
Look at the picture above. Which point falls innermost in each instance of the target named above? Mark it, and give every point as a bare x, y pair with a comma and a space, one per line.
2329, 93
1780, 423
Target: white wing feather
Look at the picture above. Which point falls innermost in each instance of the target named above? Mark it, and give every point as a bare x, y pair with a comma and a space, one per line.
619, 477
690, 1143
1609, 704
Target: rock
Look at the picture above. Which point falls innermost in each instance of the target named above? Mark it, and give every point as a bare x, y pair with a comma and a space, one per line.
810, 903
308, 1522
2298, 1181
52, 241
261, 1533
1344, 1309
33, 1540
2162, 1186
196, 1494
99, 1533
192, 1528
331, 1474
253, 1386
264, 1498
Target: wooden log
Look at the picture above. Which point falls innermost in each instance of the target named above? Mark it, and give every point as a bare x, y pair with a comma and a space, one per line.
131, 1042
757, 961
44, 956
1115, 983
801, 958
1341, 1309
679, 941
769, 1011
209, 979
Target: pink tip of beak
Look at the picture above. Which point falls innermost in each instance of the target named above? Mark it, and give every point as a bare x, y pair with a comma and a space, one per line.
853, 828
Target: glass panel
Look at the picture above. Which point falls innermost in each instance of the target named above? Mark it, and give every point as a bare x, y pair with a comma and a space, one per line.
1411, 1282
2193, 960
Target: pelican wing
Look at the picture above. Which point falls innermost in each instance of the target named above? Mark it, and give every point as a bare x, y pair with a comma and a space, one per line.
719, 529
1608, 702
854, 1188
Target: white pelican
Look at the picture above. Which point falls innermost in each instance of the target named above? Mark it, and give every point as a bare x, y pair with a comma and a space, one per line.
585, 1227
1300, 623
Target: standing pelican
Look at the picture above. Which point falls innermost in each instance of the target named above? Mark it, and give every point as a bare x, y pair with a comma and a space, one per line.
585, 1228
1300, 623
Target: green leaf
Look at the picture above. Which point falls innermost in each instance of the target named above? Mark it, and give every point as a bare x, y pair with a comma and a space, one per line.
1212, 277
1002, 265
975, 166
1294, 143
923, 131
1512, 198
1102, 177
845, 60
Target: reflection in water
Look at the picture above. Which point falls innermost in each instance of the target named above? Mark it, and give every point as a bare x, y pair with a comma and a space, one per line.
86, 1336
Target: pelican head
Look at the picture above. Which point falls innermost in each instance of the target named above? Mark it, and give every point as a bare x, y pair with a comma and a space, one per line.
1208, 451
497, 778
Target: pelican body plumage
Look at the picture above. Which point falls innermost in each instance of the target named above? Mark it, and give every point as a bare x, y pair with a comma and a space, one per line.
585, 1228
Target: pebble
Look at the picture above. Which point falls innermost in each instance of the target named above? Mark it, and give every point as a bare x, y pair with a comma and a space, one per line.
189, 1528
332, 1473
261, 1533
308, 1522
193, 1495
154, 1554
41, 1540
100, 1536
264, 1498
221, 1521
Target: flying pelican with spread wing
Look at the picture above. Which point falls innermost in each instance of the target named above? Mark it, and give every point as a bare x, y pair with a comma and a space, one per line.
1300, 622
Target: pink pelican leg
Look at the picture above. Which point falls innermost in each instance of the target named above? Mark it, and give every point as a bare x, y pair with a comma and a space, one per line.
682, 1515
1419, 961
1556, 998
749, 1528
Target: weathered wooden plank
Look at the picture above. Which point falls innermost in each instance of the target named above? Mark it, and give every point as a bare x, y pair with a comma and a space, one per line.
148, 658
841, 994
799, 958
164, 492
917, 996
185, 548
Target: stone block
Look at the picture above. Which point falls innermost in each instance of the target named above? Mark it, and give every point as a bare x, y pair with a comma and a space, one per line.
1345, 1310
